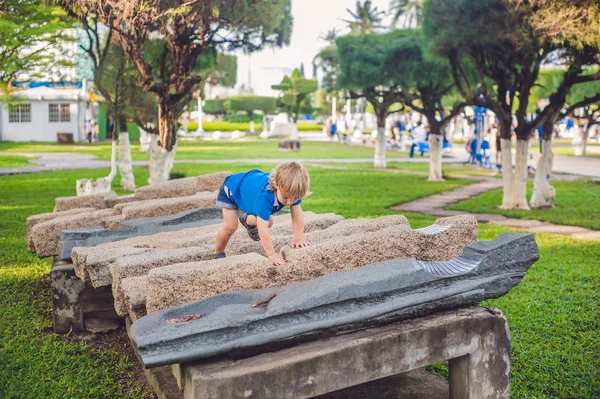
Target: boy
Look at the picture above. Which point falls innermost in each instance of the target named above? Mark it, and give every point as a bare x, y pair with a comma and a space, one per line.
258, 195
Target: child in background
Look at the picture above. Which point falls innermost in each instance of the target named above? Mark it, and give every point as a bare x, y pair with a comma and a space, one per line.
258, 195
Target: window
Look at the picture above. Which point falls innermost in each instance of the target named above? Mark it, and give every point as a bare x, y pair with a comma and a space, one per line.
59, 113
20, 113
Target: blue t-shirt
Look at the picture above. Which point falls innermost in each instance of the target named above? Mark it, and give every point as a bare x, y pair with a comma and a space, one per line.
249, 192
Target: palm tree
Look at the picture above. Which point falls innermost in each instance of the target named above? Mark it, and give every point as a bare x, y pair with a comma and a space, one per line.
407, 10
329, 37
366, 18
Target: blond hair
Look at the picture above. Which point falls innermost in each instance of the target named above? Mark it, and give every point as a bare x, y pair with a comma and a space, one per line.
291, 179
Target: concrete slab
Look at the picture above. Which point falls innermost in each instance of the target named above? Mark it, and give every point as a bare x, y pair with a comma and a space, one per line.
476, 341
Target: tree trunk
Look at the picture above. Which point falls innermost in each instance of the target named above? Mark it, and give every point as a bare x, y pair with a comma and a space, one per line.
380, 161
580, 142
543, 193
435, 157
161, 161
251, 117
514, 181
125, 163
166, 125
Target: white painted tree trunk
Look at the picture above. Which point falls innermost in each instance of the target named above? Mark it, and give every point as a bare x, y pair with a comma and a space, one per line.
543, 193
379, 161
582, 138
435, 157
161, 161
252, 126
578, 139
515, 181
125, 163
103, 184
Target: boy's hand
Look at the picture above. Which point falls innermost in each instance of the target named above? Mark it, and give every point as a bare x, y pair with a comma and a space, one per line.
300, 244
277, 259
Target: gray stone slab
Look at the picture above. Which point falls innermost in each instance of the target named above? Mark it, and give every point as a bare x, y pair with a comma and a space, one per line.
476, 342
89, 237
372, 295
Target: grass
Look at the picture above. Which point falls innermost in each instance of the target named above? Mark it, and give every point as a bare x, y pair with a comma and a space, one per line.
245, 148
448, 169
576, 204
14, 161
553, 313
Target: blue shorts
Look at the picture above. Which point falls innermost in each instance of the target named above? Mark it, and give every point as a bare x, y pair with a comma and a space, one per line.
224, 199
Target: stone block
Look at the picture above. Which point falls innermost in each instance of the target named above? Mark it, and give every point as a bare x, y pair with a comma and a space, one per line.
447, 237
44, 217
45, 235
97, 201
372, 295
93, 264
476, 342
78, 307
182, 187
143, 227
289, 145
168, 206
123, 199
140, 265
134, 296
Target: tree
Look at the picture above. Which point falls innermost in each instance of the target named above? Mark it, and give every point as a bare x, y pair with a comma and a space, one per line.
250, 104
295, 90
409, 11
215, 107
368, 69
499, 40
426, 87
365, 19
28, 29
188, 30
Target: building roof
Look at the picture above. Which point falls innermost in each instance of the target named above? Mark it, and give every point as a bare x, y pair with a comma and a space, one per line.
46, 93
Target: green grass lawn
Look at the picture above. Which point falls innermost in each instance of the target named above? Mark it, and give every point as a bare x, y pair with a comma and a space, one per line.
448, 169
553, 313
577, 204
14, 161
243, 148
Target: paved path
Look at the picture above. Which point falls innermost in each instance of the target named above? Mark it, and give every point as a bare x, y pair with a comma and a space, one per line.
435, 205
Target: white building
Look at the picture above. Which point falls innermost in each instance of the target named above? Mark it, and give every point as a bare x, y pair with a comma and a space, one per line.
42, 114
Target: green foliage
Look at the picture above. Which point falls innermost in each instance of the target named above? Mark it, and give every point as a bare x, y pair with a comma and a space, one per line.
296, 90
242, 118
214, 107
24, 26
250, 104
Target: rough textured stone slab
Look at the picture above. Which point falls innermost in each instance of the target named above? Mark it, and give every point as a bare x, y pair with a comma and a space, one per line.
123, 199
45, 235
461, 230
372, 295
97, 201
44, 217
335, 249
168, 206
134, 296
93, 264
140, 265
88, 237
182, 187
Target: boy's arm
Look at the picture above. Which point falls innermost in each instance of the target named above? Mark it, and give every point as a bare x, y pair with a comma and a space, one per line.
267, 243
298, 225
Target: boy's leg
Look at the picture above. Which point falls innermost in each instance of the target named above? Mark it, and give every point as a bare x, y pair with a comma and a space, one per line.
251, 220
230, 224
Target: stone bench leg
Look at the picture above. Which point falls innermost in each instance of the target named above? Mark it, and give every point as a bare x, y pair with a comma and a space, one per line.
67, 289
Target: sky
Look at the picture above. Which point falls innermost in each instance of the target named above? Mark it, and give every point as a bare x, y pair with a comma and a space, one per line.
312, 18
